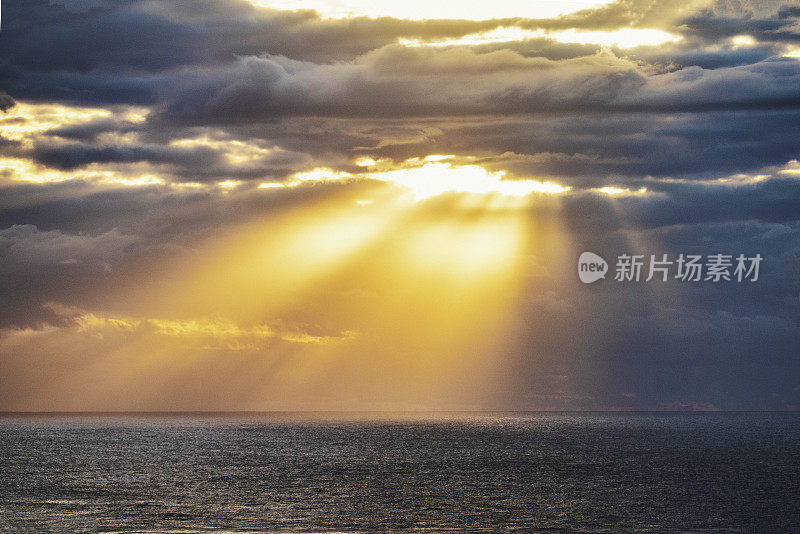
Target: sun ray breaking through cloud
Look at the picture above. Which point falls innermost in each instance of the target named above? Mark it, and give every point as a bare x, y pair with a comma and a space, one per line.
381, 204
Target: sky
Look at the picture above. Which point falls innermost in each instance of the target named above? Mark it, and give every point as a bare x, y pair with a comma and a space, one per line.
350, 205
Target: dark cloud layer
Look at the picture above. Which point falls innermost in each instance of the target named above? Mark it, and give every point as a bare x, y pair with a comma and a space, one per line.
6, 102
265, 67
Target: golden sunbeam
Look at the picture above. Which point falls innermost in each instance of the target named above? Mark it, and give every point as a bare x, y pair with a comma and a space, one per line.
413, 292
428, 298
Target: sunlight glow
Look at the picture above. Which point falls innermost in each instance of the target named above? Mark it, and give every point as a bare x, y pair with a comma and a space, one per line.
320, 175
207, 332
25, 120
792, 52
132, 181
611, 190
236, 152
434, 178
792, 167
430, 177
622, 38
417, 292
445, 9
614, 191
466, 251
229, 184
498, 35
23, 170
743, 41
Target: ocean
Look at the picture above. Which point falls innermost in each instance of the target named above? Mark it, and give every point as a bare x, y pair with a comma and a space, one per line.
508, 472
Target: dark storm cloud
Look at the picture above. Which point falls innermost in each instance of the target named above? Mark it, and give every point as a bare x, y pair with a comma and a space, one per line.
398, 81
25, 244
231, 81
576, 150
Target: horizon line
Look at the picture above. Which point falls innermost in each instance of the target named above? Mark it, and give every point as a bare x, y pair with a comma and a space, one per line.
366, 412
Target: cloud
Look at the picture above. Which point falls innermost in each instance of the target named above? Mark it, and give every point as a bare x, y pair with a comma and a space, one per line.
49, 36
201, 332
6, 102
710, 26
38, 265
27, 245
400, 82
259, 80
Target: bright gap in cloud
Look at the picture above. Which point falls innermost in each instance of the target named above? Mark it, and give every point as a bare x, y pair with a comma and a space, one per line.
792, 52
743, 41
435, 178
431, 177
614, 191
622, 38
445, 9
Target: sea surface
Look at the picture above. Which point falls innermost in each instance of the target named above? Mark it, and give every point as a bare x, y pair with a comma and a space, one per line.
532, 472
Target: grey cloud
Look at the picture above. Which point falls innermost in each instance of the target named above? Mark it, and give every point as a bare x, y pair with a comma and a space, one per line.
590, 150
181, 163
136, 33
780, 27
37, 266
397, 81
89, 131
771, 201
385, 81
27, 245
6, 102
79, 88
53, 52
72, 156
